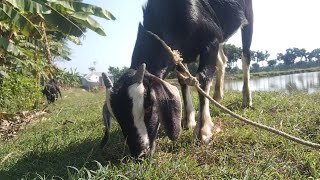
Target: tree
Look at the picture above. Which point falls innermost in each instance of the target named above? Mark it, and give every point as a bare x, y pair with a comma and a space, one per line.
289, 57
272, 63
261, 56
117, 72
233, 53
301, 53
255, 67
92, 69
39, 21
314, 55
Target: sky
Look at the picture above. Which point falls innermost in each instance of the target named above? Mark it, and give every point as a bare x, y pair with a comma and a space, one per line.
278, 25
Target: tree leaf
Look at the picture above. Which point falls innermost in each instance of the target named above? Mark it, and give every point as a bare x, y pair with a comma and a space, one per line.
76, 6
10, 47
22, 23
29, 6
88, 22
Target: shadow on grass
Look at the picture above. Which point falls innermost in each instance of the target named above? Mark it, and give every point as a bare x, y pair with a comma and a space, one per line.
56, 162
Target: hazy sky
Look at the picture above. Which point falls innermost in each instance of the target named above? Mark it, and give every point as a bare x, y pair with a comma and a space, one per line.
278, 25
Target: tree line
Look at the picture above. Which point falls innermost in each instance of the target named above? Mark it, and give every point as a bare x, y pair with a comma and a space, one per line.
291, 58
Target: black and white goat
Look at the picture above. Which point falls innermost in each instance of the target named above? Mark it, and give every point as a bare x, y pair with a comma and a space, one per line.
194, 27
52, 91
140, 101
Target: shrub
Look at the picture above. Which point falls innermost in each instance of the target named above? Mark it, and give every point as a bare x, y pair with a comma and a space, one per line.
19, 92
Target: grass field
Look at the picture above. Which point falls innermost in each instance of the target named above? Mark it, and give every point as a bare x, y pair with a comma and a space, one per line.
64, 144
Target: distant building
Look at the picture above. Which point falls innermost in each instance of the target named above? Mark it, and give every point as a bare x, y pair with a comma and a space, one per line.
93, 79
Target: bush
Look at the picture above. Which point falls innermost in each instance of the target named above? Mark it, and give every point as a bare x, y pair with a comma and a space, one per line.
19, 92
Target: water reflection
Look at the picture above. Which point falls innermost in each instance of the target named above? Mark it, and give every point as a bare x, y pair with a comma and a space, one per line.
308, 82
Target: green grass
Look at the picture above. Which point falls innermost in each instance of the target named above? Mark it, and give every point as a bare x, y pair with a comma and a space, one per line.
65, 144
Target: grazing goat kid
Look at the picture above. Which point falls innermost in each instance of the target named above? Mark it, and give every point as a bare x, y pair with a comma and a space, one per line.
140, 101
51, 91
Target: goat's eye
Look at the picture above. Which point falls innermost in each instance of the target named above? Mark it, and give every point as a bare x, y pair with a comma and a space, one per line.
148, 109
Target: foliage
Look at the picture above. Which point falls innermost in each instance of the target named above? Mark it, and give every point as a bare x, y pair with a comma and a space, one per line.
314, 55
272, 63
65, 144
19, 92
34, 33
255, 67
292, 58
233, 53
259, 56
117, 72
68, 79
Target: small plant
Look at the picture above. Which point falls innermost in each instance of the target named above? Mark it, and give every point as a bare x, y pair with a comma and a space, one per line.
19, 92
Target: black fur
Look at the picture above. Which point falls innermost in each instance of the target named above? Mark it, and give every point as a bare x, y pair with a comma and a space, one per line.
185, 25
51, 91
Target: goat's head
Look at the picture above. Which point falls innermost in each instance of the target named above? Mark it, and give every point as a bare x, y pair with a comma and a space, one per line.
140, 101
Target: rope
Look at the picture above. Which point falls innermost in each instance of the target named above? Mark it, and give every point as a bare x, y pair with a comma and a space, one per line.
192, 81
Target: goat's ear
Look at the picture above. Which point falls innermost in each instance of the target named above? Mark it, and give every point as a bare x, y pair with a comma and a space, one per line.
105, 112
107, 122
167, 98
107, 81
138, 77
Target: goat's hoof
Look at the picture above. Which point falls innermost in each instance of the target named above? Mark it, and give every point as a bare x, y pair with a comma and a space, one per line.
247, 104
217, 98
190, 125
204, 134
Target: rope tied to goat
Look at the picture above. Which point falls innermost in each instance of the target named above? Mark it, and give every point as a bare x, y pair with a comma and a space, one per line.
192, 81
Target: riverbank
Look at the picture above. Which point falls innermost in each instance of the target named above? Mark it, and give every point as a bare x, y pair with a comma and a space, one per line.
64, 143
271, 73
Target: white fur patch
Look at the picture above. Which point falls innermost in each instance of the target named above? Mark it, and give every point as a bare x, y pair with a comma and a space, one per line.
221, 63
205, 132
191, 122
136, 93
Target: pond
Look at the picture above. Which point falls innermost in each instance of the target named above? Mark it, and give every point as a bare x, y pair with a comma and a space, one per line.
307, 82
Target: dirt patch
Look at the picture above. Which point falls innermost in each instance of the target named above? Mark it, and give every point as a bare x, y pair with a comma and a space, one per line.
10, 124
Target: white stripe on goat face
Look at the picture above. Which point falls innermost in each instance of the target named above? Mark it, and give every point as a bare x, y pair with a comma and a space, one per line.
136, 93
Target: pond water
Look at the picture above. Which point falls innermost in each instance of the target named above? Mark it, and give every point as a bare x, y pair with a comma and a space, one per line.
308, 82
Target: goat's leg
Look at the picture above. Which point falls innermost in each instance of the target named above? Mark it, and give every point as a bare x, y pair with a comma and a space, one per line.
246, 92
220, 69
204, 127
246, 43
189, 112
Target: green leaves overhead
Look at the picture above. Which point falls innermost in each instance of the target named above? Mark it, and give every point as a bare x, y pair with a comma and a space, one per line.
89, 22
9, 47
29, 6
65, 16
18, 21
56, 21
76, 6
33, 33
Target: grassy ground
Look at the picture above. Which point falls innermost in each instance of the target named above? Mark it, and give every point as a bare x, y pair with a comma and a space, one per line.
64, 144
